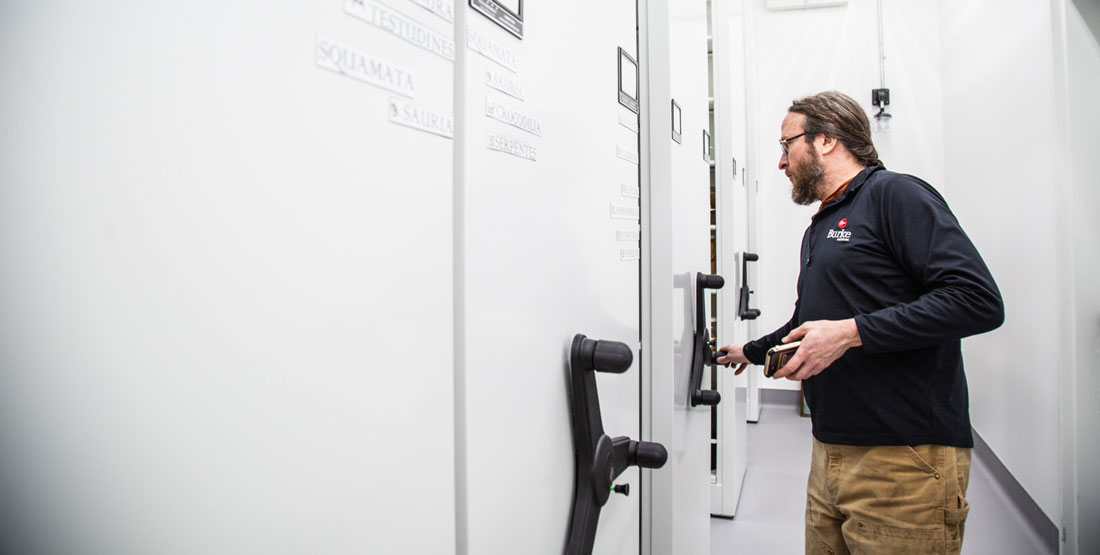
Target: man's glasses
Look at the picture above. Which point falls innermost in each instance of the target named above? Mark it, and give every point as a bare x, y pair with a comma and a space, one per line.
785, 143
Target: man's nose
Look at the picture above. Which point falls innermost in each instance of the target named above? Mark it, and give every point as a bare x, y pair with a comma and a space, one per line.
783, 161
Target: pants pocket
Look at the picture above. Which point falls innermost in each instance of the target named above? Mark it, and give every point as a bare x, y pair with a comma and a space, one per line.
928, 466
876, 537
956, 515
954, 520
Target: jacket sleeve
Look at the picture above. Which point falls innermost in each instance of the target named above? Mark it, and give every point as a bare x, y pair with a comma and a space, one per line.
756, 350
959, 295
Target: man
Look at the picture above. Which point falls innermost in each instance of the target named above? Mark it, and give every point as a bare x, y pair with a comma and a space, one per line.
889, 284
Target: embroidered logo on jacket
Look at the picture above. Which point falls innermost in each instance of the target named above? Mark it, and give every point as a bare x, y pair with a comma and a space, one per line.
842, 235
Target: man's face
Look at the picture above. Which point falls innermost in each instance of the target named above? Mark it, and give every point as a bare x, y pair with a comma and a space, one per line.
801, 162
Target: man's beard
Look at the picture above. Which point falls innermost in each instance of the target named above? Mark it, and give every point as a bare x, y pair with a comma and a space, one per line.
806, 181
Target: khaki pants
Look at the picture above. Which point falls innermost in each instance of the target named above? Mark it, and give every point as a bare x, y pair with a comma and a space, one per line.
886, 499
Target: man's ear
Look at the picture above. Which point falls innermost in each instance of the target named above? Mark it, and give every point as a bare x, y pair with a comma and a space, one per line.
828, 144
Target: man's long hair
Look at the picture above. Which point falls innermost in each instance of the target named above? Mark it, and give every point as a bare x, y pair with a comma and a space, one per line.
838, 115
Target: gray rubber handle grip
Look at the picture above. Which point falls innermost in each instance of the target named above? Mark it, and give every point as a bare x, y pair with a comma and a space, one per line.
650, 455
611, 356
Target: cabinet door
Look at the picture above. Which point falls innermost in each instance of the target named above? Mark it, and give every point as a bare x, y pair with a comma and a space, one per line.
226, 278
691, 159
731, 120
549, 249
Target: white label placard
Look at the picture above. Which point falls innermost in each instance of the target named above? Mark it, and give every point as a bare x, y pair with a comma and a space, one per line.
628, 235
628, 81
401, 26
629, 121
626, 154
491, 49
442, 8
631, 191
510, 5
513, 117
677, 121
625, 211
506, 13
510, 145
630, 255
364, 67
411, 115
504, 84
630, 76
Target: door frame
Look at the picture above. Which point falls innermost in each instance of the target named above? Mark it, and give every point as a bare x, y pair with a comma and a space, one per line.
658, 386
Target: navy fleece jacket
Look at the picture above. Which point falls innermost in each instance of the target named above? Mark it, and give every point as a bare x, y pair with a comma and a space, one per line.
889, 252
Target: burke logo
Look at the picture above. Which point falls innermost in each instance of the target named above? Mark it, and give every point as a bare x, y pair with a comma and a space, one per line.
841, 235
842, 223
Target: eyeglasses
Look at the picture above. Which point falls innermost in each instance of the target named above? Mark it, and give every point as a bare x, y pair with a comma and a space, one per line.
785, 143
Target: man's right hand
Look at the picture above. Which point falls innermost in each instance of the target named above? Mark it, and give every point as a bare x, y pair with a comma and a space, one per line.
733, 354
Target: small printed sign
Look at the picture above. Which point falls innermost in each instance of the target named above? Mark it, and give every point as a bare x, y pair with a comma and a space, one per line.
626, 154
629, 121
442, 8
631, 191
504, 84
628, 81
364, 67
411, 115
625, 211
491, 49
402, 27
628, 236
630, 255
509, 145
506, 13
513, 117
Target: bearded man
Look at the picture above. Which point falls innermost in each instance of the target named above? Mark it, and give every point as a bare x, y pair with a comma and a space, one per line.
888, 286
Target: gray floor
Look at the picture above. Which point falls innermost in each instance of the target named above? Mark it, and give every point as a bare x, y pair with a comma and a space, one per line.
773, 499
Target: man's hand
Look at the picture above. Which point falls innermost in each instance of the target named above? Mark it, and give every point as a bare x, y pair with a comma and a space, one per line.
733, 354
823, 341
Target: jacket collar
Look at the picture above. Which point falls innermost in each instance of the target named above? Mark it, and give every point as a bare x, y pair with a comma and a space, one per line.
855, 185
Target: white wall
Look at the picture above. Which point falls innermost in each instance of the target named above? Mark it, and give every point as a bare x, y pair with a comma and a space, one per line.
803, 52
1000, 144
